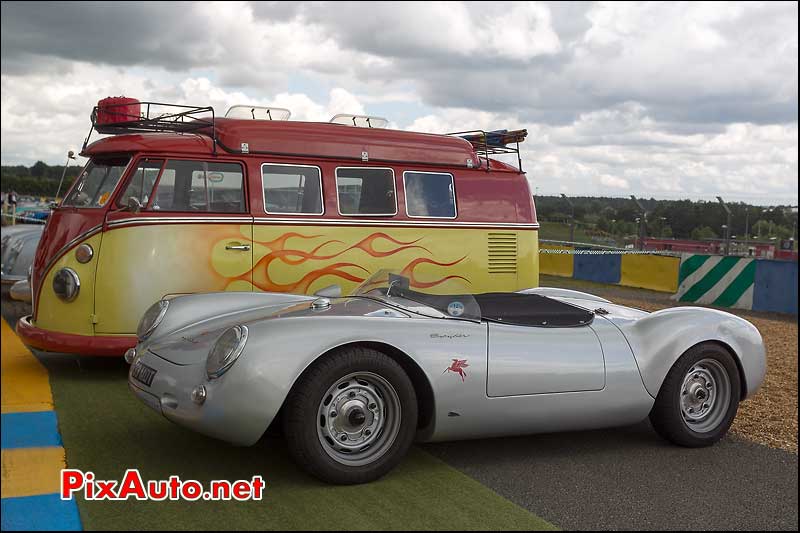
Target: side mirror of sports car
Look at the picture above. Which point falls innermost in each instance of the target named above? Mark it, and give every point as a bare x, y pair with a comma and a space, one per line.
331, 291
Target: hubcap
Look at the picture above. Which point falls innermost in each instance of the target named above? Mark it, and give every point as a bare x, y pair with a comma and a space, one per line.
359, 418
705, 396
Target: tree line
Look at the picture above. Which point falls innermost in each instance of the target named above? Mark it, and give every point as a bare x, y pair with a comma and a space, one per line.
40, 179
615, 217
681, 219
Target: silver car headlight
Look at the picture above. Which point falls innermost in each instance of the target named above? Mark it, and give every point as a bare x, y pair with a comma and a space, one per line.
66, 284
226, 350
151, 319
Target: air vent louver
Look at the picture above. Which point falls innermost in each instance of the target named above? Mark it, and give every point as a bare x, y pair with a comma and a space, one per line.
502, 253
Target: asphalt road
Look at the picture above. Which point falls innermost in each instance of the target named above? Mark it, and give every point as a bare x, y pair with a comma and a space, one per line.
629, 478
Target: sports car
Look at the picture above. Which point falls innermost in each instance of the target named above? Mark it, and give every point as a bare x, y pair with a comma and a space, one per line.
353, 381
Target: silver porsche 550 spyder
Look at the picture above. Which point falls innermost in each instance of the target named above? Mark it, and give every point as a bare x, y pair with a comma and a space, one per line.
356, 379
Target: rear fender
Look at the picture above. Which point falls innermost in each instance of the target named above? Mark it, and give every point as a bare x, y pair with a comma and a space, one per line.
659, 339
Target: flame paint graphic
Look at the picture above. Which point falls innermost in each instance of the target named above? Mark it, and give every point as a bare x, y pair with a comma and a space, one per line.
278, 251
408, 271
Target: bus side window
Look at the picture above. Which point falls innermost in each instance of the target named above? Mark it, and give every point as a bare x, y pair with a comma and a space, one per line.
141, 183
429, 194
200, 186
366, 191
292, 189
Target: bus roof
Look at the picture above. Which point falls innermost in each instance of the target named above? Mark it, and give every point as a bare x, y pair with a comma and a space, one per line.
308, 140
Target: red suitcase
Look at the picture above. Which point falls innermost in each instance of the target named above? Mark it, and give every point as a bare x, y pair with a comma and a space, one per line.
115, 109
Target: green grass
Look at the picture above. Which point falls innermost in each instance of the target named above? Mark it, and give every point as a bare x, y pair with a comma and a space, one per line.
106, 430
555, 231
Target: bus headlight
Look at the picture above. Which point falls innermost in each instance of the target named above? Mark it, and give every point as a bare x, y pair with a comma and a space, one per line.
226, 350
66, 284
151, 319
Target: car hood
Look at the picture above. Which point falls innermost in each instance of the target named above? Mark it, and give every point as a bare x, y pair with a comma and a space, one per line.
191, 344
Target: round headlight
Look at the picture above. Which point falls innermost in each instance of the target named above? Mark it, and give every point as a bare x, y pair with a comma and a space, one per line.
84, 253
225, 351
66, 284
151, 319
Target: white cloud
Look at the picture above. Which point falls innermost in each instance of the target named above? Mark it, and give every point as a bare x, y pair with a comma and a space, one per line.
667, 99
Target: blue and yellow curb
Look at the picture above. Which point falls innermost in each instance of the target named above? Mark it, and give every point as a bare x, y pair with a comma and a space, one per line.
32, 452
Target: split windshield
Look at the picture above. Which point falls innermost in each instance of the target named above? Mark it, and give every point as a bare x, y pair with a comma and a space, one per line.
451, 298
96, 183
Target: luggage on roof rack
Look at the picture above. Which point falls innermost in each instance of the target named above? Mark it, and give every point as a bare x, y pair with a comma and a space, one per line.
488, 143
118, 114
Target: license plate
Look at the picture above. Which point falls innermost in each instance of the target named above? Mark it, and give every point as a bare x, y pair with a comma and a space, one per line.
143, 373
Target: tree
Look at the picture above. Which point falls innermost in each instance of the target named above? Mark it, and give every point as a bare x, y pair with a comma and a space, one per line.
703, 233
39, 170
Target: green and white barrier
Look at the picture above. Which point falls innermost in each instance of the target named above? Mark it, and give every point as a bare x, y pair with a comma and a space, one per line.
716, 280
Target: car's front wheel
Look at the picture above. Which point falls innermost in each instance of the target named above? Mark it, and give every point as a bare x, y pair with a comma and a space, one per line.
351, 417
699, 397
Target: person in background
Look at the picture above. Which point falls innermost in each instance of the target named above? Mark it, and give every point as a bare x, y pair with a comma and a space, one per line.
12, 202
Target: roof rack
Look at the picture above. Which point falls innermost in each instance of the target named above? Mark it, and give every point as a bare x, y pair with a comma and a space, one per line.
488, 143
145, 117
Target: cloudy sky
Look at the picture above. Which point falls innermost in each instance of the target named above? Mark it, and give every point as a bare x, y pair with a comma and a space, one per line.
670, 100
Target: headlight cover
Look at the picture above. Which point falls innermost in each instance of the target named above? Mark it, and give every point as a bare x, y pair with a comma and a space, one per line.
151, 319
66, 284
226, 350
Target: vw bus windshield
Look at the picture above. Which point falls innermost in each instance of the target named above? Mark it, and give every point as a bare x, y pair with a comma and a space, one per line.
451, 298
96, 183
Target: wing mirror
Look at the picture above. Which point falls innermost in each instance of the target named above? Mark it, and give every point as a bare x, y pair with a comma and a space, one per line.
331, 291
134, 205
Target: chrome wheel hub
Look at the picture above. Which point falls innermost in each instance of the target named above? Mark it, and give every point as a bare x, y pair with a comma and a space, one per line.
705, 395
359, 418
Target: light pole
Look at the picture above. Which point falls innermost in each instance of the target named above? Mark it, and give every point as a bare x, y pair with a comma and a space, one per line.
727, 226
70, 155
747, 230
642, 220
571, 218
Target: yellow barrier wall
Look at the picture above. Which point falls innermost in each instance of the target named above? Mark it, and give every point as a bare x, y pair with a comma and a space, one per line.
655, 272
555, 264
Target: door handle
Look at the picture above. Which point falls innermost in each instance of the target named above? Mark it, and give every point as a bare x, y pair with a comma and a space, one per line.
242, 247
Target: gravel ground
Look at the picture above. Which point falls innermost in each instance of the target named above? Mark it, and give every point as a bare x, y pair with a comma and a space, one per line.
769, 417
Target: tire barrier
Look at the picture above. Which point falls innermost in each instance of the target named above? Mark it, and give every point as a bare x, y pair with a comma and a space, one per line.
598, 268
556, 264
725, 281
738, 282
644, 271
775, 287
654, 272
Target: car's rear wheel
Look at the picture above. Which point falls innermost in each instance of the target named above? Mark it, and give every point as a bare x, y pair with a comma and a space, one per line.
351, 417
699, 397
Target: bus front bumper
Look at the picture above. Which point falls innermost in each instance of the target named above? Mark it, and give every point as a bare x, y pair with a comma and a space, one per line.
52, 341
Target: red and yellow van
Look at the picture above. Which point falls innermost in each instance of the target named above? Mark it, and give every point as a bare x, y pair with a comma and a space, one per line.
198, 203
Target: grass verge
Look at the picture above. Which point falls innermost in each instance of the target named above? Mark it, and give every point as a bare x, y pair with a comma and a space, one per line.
106, 430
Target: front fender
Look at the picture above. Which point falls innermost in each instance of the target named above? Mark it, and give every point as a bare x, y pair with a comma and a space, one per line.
660, 338
189, 311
